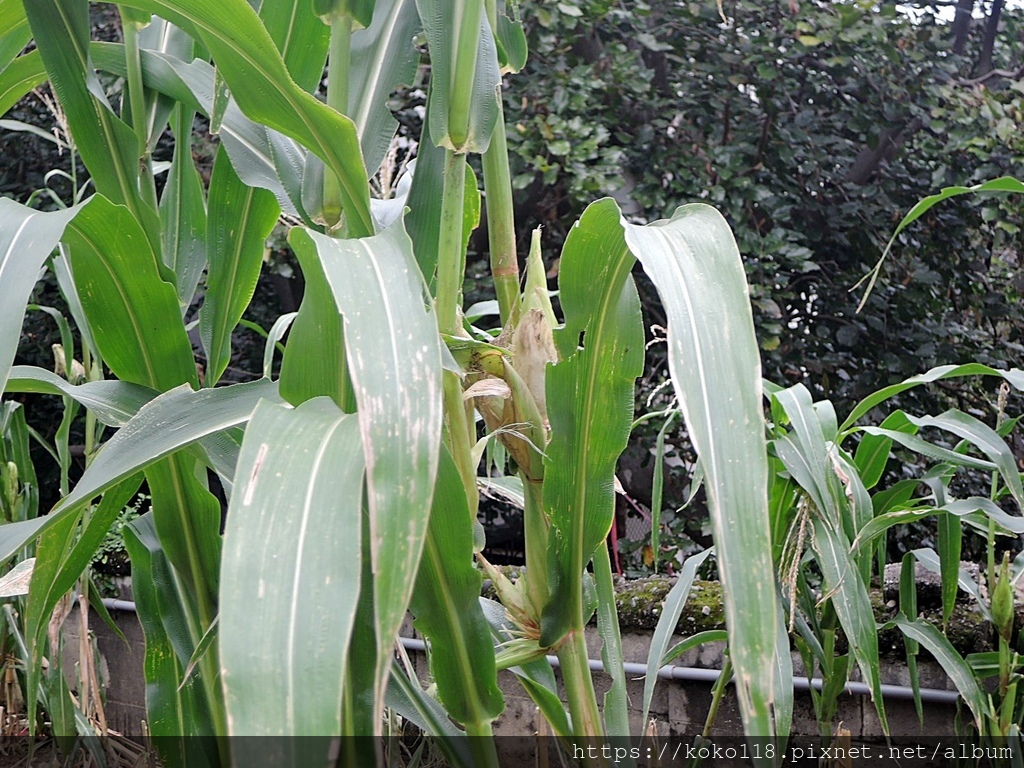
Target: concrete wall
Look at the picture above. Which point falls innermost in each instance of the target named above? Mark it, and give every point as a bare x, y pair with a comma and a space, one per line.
121, 672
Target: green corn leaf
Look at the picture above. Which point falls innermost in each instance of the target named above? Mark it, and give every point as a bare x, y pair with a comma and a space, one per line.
174, 713
1014, 377
277, 332
292, 546
159, 36
809, 442
15, 447
856, 496
537, 677
185, 513
166, 424
952, 663
394, 359
694, 641
510, 36
932, 451
783, 700
187, 519
616, 712
209, 641
16, 32
949, 544
301, 37
241, 218
65, 281
895, 497
783, 494
19, 78
873, 451
590, 404
714, 362
985, 439
170, 422
134, 315
63, 713
1004, 185
442, 31
845, 587
112, 402
383, 58
713, 358
253, 69
183, 212
908, 607
671, 610
424, 217
108, 146
262, 157
406, 697
27, 238
314, 362
447, 608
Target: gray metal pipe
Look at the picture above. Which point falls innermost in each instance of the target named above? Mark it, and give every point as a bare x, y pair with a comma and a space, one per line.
692, 674
697, 674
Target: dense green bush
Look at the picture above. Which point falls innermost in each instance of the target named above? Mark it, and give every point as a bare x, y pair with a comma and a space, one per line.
779, 118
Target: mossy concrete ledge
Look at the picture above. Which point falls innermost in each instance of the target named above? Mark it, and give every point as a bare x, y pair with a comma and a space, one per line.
639, 603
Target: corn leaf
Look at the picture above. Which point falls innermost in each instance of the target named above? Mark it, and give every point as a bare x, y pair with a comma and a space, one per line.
108, 146
174, 714
616, 705
985, 439
27, 238
510, 36
112, 402
383, 58
262, 157
183, 212
314, 362
259, 81
671, 610
301, 37
1004, 185
590, 403
950, 661
166, 424
15, 33
715, 367
441, 26
241, 218
291, 547
873, 450
447, 607
1014, 377
134, 315
61, 557
394, 359
845, 587
19, 78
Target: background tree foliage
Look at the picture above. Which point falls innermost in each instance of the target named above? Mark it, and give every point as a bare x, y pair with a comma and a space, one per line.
814, 126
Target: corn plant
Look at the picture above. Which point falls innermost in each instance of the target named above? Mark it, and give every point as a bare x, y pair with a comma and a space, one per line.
353, 478
828, 507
